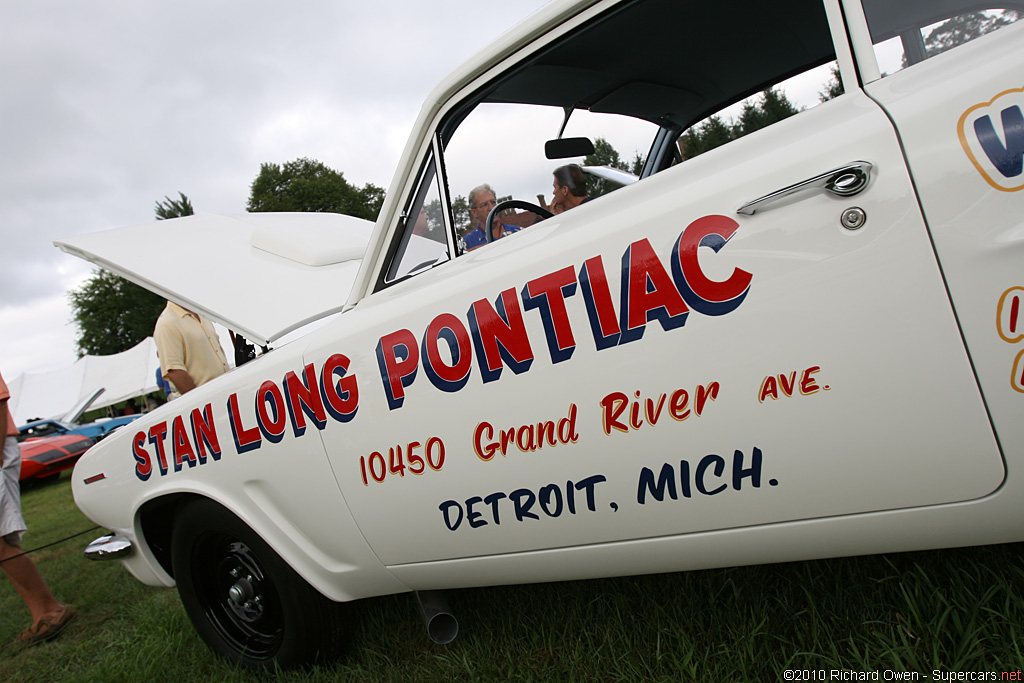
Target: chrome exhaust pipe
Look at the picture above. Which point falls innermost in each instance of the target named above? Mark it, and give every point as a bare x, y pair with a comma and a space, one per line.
442, 627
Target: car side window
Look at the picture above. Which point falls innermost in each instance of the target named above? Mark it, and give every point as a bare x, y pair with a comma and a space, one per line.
908, 32
642, 106
634, 108
424, 242
785, 98
497, 153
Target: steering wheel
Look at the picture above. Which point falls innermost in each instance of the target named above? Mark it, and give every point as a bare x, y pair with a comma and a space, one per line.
511, 204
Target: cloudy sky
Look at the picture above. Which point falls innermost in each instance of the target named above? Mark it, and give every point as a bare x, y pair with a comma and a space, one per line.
106, 107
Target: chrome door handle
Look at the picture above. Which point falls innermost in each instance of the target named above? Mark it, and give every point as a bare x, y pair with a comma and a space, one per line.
844, 181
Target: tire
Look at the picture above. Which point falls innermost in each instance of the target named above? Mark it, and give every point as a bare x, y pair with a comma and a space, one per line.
247, 603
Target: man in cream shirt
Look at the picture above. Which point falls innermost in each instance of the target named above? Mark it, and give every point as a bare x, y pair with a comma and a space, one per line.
189, 348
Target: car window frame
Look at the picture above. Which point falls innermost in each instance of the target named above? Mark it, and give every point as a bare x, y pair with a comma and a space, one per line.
461, 101
413, 202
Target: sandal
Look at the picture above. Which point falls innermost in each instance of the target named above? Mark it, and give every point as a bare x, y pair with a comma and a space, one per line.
48, 628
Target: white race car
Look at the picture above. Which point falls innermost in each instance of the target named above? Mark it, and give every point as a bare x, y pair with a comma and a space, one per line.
806, 342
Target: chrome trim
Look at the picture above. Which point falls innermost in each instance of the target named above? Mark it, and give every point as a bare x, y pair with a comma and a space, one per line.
844, 181
853, 218
109, 547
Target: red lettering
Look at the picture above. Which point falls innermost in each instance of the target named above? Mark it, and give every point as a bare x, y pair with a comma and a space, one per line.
567, 426
400, 459
435, 445
415, 461
245, 439
157, 434
446, 377
342, 396
649, 410
304, 399
648, 288
704, 393
396, 463
398, 357
808, 385
272, 423
788, 386
524, 439
604, 322
506, 436
484, 430
181, 447
500, 335
143, 463
545, 432
548, 293
654, 413
677, 409
204, 432
700, 292
634, 413
614, 404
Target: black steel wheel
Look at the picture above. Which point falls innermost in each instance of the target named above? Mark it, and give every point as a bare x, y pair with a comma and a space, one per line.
244, 600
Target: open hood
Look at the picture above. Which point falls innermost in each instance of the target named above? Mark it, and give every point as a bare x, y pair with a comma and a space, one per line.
77, 410
261, 275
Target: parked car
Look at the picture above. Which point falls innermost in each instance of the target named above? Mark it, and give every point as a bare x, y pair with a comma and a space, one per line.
45, 458
96, 430
804, 343
68, 423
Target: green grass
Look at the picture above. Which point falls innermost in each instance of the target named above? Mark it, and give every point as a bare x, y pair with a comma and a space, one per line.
955, 610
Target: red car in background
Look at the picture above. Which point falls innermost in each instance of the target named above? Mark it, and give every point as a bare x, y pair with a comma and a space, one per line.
49, 456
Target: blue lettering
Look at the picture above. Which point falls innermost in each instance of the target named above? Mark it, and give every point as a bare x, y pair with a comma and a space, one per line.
473, 516
753, 472
589, 483
668, 481
523, 509
1009, 158
551, 499
492, 500
702, 468
546, 494
445, 508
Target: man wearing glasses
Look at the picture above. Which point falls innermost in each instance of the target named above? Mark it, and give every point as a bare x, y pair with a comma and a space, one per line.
481, 200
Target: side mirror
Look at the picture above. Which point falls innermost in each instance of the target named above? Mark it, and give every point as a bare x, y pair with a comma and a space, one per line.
566, 148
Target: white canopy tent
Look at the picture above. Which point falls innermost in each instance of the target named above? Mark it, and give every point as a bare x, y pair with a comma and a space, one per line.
50, 394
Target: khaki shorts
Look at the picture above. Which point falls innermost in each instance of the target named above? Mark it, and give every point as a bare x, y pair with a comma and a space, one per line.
12, 525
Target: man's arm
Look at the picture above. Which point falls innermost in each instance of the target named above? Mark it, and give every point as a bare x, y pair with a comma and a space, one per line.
181, 380
522, 220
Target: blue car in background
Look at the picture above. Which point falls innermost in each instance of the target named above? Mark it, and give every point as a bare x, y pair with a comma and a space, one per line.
95, 430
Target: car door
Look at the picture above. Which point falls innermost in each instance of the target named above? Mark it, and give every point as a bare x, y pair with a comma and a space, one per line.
958, 116
656, 362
